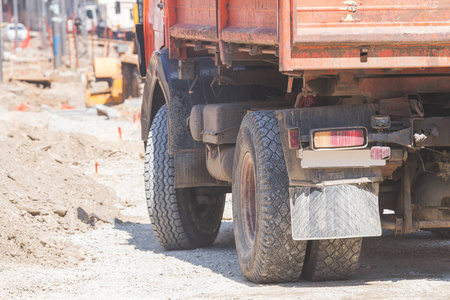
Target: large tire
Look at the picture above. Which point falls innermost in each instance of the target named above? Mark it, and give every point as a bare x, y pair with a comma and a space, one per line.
130, 81
332, 259
261, 210
178, 220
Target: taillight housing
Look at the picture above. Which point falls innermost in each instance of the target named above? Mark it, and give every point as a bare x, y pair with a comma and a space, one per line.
339, 138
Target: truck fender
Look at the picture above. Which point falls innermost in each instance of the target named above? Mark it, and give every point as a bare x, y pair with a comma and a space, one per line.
163, 87
156, 93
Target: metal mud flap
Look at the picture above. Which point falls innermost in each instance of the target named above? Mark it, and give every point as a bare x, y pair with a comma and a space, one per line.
339, 211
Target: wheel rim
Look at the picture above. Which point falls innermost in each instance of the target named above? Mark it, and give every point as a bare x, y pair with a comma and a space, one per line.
200, 211
248, 197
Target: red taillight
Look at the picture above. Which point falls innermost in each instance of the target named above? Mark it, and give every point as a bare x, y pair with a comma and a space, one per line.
294, 143
339, 138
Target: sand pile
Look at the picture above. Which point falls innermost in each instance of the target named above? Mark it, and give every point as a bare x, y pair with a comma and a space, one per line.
17, 95
44, 194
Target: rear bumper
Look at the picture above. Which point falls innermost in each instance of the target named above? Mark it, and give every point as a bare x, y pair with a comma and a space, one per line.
307, 167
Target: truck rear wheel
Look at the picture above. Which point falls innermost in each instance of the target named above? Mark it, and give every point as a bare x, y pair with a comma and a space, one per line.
181, 218
130, 81
332, 259
261, 210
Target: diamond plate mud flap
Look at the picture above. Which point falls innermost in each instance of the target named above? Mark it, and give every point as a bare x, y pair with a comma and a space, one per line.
340, 211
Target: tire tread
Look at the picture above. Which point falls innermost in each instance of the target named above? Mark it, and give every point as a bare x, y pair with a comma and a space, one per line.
280, 258
159, 188
333, 259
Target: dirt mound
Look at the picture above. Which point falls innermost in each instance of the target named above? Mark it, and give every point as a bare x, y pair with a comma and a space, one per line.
44, 195
17, 95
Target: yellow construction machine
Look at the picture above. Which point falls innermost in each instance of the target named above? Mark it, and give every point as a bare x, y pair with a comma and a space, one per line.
105, 85
115, 79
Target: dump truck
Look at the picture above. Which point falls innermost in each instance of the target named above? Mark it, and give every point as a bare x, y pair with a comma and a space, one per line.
326, 120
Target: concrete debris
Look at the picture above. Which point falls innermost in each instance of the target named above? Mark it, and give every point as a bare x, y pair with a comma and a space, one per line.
107, 111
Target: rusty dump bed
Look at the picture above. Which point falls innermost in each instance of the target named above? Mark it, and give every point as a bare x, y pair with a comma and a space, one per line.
317, 34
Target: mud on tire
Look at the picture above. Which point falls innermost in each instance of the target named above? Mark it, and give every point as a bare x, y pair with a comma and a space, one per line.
178, 220
261, 211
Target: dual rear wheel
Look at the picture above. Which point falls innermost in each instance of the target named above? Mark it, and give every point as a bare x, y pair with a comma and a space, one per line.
261, 210
262, 220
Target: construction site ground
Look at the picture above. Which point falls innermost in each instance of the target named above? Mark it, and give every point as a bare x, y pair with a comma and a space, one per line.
67, 231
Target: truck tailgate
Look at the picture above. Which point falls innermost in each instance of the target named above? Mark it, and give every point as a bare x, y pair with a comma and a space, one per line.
364, 34
337, 22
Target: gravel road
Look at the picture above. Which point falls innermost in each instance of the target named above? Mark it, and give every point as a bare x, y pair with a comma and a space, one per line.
123, 260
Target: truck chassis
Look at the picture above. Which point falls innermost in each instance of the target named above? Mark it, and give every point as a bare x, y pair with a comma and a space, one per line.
327, 121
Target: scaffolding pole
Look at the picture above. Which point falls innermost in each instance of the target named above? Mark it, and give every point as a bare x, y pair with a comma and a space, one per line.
44, 24
16, 24
63, 27
1, 42
55, 9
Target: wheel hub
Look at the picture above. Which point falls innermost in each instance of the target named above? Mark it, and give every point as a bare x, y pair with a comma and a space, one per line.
248, 197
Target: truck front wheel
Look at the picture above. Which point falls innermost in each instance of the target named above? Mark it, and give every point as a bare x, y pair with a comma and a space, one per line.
261, 210
180, 218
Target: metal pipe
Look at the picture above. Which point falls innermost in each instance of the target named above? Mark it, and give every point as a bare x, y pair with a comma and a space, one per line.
192, 45
417, 225
56, 24
396, 225
75, 44
44, 25
110, 33
16, 23
1, 43
386, 223
28, 14
432, 224
269, 51
408, 169
244, 49
92, 39
263, 51
84, 31
64, 37
69, 56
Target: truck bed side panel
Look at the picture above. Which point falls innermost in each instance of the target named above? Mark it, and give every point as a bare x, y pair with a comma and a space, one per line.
251, 22
241, 21
261, 13
194, 19
201, 12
